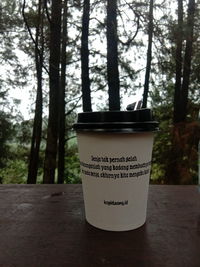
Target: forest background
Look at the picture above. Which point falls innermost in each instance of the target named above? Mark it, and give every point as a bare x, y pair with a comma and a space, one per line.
65, 56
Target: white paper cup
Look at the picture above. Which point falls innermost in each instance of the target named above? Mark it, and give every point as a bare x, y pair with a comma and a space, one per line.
115, 166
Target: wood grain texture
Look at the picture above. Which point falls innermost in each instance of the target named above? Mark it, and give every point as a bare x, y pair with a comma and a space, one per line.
44, 225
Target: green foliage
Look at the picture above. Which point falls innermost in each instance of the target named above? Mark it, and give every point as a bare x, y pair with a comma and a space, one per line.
14, 150
5, 135
72, 171
23, 132
162, 143
15, 166
187, 135
15, 172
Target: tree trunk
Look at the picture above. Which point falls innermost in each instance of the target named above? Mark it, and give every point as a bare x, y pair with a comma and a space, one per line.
178, 167
149, 55
86, 94
61, 146
112, 56
179, 63
54, 82
187, 59
37, 125
182, 84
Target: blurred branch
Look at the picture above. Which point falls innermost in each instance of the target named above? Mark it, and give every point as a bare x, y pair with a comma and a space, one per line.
129, 41
75, 105
30, 33
69, 138
47, 11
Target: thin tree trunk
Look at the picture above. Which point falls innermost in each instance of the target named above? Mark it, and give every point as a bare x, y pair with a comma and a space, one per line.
176, 166
187, 59
86, 94
61, 146
54, 83
37, 125
174, 159
112, 56
179, 63
149, 55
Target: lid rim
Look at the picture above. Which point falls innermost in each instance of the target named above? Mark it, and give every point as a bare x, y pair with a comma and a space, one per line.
131, 121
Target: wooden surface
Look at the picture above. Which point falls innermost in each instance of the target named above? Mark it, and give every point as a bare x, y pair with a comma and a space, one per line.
44, 225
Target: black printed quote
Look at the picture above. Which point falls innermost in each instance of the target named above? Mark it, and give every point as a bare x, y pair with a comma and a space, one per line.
114, 167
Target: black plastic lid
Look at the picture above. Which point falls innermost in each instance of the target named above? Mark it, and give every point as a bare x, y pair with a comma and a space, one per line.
116, 121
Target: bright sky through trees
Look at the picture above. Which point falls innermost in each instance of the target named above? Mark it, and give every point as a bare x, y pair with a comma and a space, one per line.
98, 42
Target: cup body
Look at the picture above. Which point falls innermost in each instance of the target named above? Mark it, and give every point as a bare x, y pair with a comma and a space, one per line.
115, 170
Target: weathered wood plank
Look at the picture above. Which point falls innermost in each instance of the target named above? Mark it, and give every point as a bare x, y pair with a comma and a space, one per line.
44, 225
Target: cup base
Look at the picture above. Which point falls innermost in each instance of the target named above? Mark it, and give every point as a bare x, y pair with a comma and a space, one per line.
117, 228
